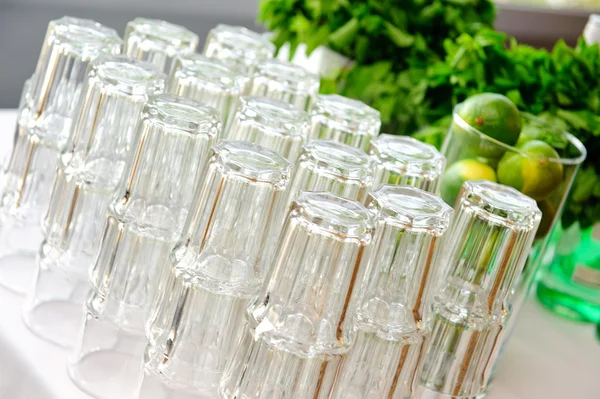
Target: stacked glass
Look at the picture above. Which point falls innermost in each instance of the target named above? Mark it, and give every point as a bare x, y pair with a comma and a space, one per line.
208, 81
402, 160
487, 247
391, 308
89, 169
273, 124
285, 82
48, 105
158, 42
238, 45
215, 268
143, 222
348, 121
299, 324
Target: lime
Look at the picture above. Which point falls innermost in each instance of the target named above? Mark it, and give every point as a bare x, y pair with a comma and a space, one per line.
460, 172
531, 172
493, 115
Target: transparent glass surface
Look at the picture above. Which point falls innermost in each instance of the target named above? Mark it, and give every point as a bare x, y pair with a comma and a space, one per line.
143, 222
326, 165
216, 267
89, 169
284, 81
483, 259
404, 160
342, 119
158, 42
208, 81
238, 45
391, 307
48, 105
272, 124
300, 321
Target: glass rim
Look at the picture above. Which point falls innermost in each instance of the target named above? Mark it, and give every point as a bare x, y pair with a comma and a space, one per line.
456, 118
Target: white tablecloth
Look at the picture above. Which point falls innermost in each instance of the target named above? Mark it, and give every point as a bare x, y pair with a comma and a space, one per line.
547, 357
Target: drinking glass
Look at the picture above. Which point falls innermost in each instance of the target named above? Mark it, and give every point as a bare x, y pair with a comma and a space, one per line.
48, 104
238, 45
158, 42
209, 81
488, 244
143, 222
391, 308
326, 165
342, 119
284, 81
273, 124
216, 267
403, 160
299, 324
89, 169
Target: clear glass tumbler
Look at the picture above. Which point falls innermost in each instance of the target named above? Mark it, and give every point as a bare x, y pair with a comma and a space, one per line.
89, 170
352, 122
300, 323
158, 42
484, 255
406, 161
48, 104
284, 81
238, 45
391, 307
273, 124
143, 222
216, 267
208, 81
326, 165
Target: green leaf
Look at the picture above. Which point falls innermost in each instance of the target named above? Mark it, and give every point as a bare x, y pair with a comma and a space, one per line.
343, 36
400, 38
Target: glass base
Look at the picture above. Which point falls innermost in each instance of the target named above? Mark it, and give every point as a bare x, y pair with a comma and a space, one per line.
54, 309
17, 271
568, 306
107, 364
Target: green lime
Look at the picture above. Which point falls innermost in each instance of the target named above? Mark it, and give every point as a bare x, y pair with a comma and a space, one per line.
495, 116
534, 175
460, 172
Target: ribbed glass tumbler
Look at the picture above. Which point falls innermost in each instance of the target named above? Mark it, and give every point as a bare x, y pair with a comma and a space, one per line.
391, 309
300, 324
404, 160
273, 124
239, 45
285, 82
352, 122
158, 42
142, 225
48, 104
208, 81
89, 170
487, 246
216, 267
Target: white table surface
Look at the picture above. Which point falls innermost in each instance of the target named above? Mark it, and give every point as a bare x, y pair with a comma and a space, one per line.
547, 357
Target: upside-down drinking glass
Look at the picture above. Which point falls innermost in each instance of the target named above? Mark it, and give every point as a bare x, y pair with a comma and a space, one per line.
352, 122
299, 324
284, 81
390, 307
143, 222
208, 81
484, 255
406, 161
48, 104
273, 124
158, 42
89, 169
216, 267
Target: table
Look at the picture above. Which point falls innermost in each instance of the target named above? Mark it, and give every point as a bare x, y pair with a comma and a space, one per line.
547, 357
